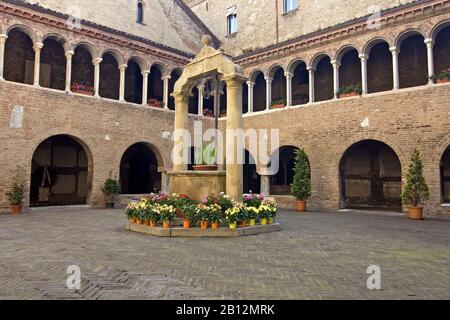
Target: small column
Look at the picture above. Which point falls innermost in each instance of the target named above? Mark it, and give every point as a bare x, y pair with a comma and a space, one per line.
268, 92
181, 117
250, 86
395, 72
165, 182
265, 185
3, 38
69, 55
311, 84
201, 93
122, 69
145, 87
430, 62
364, 84
289, 77
336, 66
37, 61
96, 62
165, 80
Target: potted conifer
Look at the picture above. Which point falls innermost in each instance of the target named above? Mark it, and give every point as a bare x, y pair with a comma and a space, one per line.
111, 189
415, 191
16, 194
301, 185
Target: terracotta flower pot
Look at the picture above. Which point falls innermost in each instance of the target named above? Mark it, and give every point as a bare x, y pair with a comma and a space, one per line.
415, 213
350, 94
300, 205
211, 167
443, 80
186, 224
243, 224
166, 224
138, 221
215, 225
204, 225
277, 106
85, 92
16, 208
152, 224
147, 223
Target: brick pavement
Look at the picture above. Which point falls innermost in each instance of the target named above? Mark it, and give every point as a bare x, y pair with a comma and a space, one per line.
316, 256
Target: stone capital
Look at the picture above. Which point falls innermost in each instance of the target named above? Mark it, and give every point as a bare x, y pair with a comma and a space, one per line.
3, 38
145, 73
69, 54
234, 82
429, 42
394, 50
311, 69
363, 57
336, 64
180, 98
166, 78
268, 79
250, 83
38, 46
288, 75
123, 67
97, 61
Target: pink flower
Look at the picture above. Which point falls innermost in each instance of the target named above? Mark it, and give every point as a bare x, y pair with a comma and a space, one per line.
261, 197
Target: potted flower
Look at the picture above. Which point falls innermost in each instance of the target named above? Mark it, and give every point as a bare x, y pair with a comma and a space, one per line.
301, 185
225, 202
132, 211
253, 200
82, 88
232, 216
443, 76
214, 218
352, 90
153, 102
415, 191
16, 194
278, 103
252, 214
110, 189
166, 213
179, 201
204, 212
272, 210
208, 113
205, 157
189, 214
264, 213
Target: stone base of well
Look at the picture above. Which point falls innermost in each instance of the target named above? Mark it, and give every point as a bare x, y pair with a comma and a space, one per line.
223, 232
197, 184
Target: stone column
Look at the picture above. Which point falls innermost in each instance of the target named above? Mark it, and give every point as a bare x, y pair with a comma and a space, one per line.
181, 117
430, 62
122, 69
96, 62
250, 86
165, 80
3, 38
37, 62
145, 87
311, 84
265, 185
364, 84
201, 92
395, 72
165, 182
268, 92
336, 66
234, 175
289, 77
69, 55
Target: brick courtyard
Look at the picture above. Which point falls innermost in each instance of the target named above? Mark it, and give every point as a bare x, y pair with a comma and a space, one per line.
316, 256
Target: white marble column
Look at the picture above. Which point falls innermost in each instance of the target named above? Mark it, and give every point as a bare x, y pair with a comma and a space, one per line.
364, 82
122, 69
69, 55
3, 38
165, 80
201, 93
395, 72
96, 62
145, 87
268, 92
37, 61
265, 185
311, 72
336, 65
250, 85
289, 77
430, 61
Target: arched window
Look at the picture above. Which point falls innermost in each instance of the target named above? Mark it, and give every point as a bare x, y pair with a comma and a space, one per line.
140, 12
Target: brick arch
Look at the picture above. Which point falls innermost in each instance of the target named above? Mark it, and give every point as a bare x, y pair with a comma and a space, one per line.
273, 69
294, 63
312, 63
162, 68
438, 27
373, 42
406, 34
25, 29
116, 54
89, 47
254, 74
59, 38
162, 159
140, 61
343, 50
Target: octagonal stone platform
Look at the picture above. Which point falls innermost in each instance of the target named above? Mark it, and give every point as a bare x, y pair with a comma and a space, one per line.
222, 232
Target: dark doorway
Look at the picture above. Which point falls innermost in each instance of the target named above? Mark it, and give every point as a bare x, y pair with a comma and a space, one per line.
371, 177
281, 182
139, 170
59, 174
445, 176
252, 180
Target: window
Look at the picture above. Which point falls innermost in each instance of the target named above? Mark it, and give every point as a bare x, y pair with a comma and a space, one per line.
140, 12
231, 20
289, 5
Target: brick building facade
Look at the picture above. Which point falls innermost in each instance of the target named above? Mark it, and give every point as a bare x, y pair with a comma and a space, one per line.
358, 147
